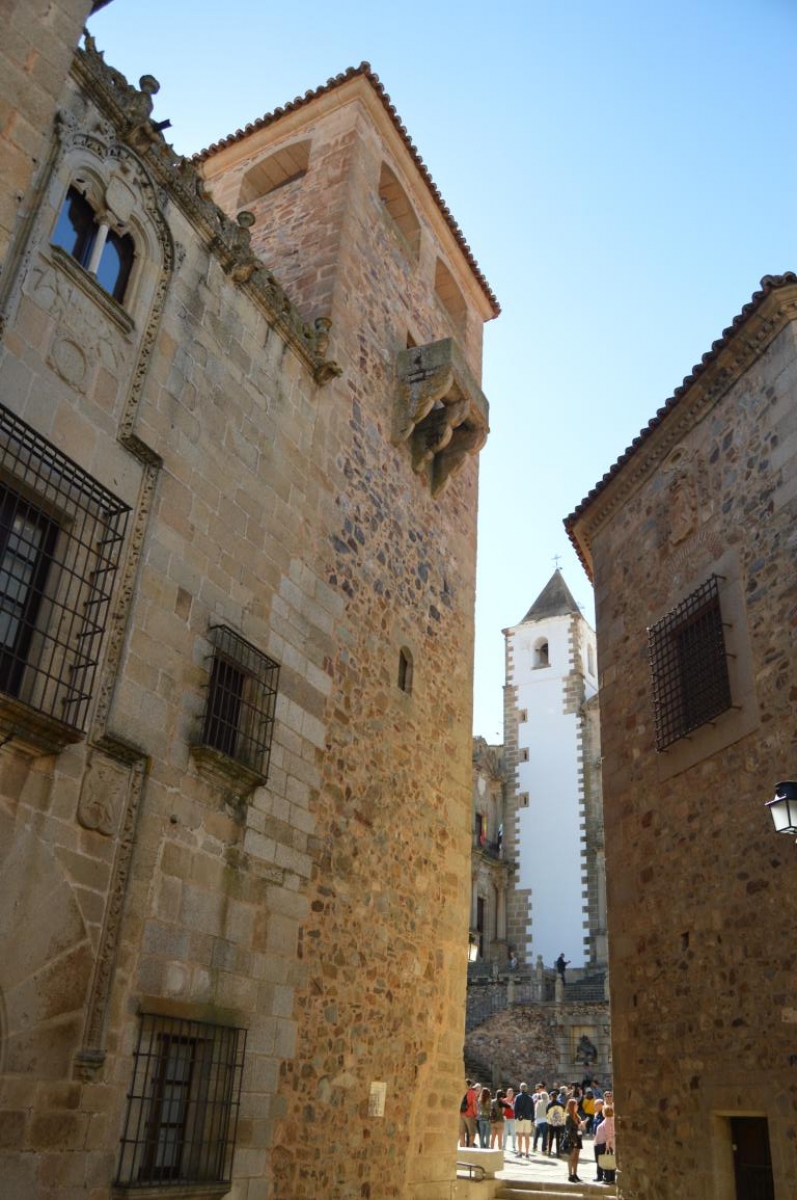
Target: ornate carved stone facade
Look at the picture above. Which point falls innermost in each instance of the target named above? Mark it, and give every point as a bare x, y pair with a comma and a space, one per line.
246, 427
690, 541
490, 868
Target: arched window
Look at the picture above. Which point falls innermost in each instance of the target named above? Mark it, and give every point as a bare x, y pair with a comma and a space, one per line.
541, 654
396, 202
449, 294
74, 230
283, 166
116, 263
405, 670
104, 252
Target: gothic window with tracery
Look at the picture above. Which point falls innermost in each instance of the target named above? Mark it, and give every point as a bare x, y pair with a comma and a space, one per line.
104, 252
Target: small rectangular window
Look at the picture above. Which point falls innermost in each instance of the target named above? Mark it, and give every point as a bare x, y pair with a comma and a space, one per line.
242, 694
689, 666
182, 1108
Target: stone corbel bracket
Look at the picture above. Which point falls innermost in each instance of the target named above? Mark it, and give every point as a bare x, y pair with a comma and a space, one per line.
440, 410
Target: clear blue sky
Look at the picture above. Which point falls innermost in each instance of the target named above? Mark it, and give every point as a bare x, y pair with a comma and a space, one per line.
624, 171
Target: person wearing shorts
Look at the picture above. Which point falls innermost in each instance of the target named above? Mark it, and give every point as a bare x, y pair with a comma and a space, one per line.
524, 1118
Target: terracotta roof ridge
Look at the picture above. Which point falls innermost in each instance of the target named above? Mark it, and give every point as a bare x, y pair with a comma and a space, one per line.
769, 283
366, 71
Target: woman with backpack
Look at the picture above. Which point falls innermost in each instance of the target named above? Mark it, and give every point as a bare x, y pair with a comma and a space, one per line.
483, 1117
497, 1121
556, 1124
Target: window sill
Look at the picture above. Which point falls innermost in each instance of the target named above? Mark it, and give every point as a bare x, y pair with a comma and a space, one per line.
220, 768
179, 1191
33, 729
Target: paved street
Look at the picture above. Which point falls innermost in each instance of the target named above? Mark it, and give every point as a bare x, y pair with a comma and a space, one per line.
543, 1169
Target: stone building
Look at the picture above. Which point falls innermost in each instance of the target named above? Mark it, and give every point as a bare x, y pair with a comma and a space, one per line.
554, 823
236, 625
490, 879
690, 539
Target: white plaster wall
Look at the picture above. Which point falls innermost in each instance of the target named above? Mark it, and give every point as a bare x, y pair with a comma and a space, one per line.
550, 849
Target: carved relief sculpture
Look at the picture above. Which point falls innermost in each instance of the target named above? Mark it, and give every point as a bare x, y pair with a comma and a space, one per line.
104, 789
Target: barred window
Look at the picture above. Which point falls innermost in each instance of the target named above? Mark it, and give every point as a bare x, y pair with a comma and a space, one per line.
182, 1109
60, 538
689, 665
242, 695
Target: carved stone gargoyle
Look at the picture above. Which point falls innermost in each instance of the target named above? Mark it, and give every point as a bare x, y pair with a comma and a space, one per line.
440, 410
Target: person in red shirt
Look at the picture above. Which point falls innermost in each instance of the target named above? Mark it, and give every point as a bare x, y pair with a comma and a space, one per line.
468, 1111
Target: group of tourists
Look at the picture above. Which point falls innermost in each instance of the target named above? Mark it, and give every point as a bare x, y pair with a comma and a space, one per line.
559, 1119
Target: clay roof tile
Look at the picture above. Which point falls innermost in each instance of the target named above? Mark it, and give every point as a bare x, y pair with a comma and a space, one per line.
769, 283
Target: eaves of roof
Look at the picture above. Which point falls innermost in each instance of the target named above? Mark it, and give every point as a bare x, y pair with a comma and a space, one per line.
769, 284
364, 70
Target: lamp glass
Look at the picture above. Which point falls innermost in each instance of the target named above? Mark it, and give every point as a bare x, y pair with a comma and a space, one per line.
783, 807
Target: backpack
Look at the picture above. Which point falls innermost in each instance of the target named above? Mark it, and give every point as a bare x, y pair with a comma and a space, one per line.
463, 1108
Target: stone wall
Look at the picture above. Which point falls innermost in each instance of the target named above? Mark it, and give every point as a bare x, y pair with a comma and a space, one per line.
702, 895
531, 1042
38, 42
323, 909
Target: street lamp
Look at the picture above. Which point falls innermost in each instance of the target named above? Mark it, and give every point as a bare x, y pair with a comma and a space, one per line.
473, 947
783, 807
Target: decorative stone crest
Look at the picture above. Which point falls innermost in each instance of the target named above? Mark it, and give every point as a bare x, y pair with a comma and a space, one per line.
681, 497
105, 786
440, 410
82, 333
693, 561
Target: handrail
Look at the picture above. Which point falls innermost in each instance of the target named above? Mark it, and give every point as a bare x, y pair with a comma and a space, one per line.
470, 1168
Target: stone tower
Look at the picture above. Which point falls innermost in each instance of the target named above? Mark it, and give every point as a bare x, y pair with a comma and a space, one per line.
549, 733
238, 491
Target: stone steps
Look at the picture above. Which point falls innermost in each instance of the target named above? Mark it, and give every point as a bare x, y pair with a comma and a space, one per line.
522, 1189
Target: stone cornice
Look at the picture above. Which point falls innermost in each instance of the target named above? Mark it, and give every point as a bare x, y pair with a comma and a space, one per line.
769, 312
129, 111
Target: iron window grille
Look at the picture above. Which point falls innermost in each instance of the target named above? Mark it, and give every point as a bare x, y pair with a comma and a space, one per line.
689, 665
60, 537
242, 696
183, 1104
